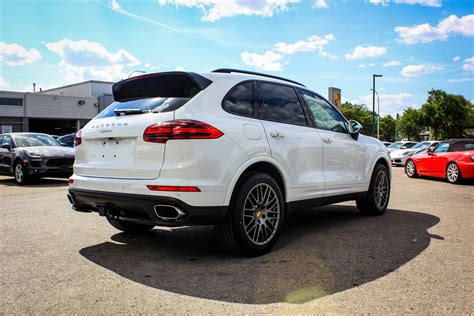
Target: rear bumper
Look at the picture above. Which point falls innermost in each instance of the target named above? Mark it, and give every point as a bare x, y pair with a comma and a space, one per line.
141, 208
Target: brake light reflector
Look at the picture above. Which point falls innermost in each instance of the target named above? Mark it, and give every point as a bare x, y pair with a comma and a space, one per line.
70, 181
78, 138
172, 188
180, 129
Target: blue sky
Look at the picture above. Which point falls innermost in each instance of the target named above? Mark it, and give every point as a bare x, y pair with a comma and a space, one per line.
416, 44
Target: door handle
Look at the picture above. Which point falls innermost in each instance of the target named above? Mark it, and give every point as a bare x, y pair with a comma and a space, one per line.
276, 134
327, 140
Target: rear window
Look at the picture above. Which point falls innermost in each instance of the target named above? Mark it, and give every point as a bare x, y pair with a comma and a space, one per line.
240, 100
153, 105
462, 146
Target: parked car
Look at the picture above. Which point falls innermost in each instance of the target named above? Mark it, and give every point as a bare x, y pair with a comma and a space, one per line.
67, 140
401, 145
400, 156
452, 159
33, 154
229, 148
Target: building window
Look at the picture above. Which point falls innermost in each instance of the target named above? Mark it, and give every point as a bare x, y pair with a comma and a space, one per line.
10, 101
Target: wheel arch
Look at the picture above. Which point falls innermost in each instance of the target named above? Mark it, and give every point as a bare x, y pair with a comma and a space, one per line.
379, 159
260, 164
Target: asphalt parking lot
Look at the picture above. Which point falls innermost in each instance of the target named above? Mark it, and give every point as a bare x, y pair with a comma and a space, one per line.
417, 258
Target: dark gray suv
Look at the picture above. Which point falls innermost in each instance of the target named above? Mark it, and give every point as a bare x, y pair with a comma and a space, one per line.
23, 155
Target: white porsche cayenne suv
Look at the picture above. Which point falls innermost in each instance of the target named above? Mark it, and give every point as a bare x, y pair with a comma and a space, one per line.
230, 148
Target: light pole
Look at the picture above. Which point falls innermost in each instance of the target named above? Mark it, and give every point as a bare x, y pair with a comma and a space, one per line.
138, 71
378, 114
373, 102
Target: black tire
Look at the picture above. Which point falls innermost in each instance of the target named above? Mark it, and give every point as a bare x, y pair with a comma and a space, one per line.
369, 205
20, 173
129, 227
411, 173
232, 233
453, 174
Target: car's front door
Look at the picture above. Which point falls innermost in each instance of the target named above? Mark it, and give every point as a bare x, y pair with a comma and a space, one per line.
343, 156
438, 161
294, 144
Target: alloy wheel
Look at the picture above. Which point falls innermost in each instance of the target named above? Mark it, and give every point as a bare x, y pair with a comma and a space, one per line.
261, 215
453, 172
410, 169
381, 188
19, 173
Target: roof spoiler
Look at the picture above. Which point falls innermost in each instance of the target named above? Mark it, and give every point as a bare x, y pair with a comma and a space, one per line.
172, 84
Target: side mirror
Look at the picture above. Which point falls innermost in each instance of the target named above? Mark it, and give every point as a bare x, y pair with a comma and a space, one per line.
7, 147
354, 128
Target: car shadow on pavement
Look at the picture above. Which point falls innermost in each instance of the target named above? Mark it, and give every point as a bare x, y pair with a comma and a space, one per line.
36, 182
324, 251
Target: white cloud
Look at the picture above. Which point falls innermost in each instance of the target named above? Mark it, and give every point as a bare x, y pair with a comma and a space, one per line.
419, 70
115, 6
392, 63
368, 51
391, 103
459, 80
270, 61
313, 43
273, 59
426, 3
469, 64
4, 84
82, 60
366, 65
179, 68
425, 33
379, 2
322, 4
456, 58
216, 9
16, 55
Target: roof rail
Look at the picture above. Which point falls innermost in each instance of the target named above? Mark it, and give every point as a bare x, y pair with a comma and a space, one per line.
230, 70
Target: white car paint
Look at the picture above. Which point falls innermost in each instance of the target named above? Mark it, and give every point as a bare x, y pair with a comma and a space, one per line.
310, 167
399, 157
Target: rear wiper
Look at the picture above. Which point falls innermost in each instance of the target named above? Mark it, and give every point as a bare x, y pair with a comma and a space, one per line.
120, 112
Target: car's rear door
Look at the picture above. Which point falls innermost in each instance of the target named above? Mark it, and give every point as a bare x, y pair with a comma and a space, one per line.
294, 144
344, 157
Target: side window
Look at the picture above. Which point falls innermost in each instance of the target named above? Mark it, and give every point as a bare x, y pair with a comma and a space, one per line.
442, 148
325, 116
1, 140
281, 104
240, 100
469, 146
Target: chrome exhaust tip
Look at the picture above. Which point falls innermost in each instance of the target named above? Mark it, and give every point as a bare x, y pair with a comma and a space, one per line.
71, 200
169, 213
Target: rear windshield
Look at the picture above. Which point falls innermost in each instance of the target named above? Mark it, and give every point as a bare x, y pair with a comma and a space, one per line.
152, 105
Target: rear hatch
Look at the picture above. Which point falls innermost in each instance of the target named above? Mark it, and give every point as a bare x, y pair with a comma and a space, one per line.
112, 144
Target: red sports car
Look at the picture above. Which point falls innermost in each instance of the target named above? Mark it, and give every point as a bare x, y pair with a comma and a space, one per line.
452, 159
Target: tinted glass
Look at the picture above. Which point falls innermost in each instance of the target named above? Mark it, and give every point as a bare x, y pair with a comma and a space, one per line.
31, 140
281, 104
153, 105
1, 140
9, 101
240, 100
410, 145
422, 145
469, 146
325, 115
442, 148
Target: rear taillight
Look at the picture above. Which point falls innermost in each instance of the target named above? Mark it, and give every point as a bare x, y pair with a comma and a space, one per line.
180, 129
78, 138
472, 157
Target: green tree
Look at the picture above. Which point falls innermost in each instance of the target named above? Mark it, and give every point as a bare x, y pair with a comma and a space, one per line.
387, 128
410, 124
360, 113
446, 114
